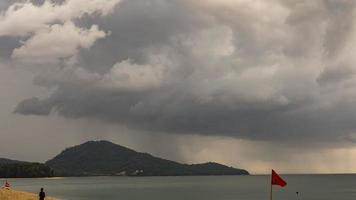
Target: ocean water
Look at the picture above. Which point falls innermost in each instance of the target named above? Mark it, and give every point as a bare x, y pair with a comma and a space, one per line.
311, 187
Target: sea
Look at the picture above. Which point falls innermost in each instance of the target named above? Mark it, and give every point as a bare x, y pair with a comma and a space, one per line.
253, 187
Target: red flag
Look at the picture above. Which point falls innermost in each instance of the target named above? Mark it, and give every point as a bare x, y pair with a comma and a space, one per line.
277, 180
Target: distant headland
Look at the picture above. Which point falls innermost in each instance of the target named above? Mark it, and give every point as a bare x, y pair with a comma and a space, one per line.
104, 158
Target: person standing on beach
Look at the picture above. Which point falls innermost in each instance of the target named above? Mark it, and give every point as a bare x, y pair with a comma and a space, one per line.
42, 194
7, 185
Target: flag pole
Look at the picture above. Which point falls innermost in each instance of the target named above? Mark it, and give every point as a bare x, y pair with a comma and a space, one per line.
271, 191
271, 186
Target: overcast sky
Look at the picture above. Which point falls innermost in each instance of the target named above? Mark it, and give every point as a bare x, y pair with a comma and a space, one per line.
254, 84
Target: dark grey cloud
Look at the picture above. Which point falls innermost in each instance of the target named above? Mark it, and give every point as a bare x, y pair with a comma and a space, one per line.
5, 4
336, 75
33, 106
8, 44
268, 72
136, 26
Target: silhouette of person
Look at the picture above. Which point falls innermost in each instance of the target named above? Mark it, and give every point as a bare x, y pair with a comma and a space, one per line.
42, 195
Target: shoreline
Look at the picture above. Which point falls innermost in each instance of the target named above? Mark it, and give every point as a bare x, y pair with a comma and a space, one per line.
10, 194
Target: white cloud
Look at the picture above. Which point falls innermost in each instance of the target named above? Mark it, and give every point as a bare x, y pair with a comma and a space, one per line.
216, 42
22, 19
133, 77
48, 31
57, 42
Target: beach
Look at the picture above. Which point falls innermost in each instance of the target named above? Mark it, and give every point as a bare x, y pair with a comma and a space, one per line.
10, 194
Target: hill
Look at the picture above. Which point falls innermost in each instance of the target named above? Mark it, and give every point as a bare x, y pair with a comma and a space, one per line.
5, 161
20, 169
96, 158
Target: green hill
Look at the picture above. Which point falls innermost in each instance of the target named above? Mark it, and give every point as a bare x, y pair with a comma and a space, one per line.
5, 161
20, 169
106, 158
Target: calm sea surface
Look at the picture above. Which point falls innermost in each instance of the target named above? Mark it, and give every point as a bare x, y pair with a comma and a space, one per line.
312, 187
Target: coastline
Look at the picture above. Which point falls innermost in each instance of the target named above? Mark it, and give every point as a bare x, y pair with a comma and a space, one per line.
9, 194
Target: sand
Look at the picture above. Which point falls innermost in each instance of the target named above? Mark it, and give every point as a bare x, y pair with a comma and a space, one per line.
18, 195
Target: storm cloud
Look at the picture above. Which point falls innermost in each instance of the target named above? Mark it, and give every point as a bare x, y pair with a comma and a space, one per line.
257, 70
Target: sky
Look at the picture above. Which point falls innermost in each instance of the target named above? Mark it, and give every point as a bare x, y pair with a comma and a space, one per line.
253, 84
